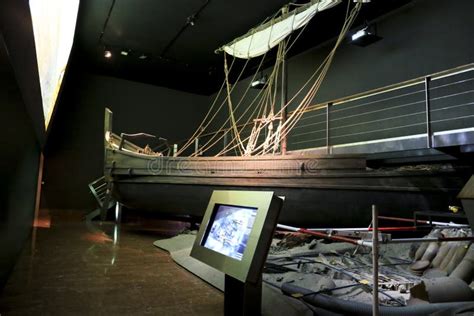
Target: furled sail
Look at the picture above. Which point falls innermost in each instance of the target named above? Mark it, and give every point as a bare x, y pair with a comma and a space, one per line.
54, 22
260, 40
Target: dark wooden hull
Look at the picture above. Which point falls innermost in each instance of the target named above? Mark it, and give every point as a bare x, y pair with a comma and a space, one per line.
302, 207
318, 190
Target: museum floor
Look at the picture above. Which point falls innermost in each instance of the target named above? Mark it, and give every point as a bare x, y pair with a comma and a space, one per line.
75, 268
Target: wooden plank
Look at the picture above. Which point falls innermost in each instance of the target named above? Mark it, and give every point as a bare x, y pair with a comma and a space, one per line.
408, 184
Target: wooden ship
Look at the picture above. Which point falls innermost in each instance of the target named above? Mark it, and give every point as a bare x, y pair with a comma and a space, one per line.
318, 189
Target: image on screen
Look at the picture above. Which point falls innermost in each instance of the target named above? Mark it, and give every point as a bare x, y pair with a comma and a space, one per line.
229, 230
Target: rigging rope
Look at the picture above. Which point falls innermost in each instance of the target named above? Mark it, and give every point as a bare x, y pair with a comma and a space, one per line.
265, 107
298, 113
231, 110
209, 144
265, 101
322, 70
200, 129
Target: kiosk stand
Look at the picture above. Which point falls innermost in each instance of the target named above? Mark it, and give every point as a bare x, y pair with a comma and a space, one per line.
242, 298
234, 237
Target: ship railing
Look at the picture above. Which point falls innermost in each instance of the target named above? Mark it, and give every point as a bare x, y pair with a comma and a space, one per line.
123, 144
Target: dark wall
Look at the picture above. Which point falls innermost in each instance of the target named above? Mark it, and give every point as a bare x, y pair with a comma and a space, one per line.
420, 38
20, 152
74, 152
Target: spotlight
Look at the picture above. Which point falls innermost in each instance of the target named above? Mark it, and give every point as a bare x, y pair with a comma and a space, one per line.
259, 83
124, 52
143, 57
107, 54
359, 34
365, 36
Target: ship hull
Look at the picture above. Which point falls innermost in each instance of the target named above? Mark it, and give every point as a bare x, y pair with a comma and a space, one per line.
318, 190
302, 207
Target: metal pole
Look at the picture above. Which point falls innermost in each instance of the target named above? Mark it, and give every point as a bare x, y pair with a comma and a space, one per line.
428, 239
429, 143
196, 146
175, 150
225, 142
326, 236
328, 148
375, 261
284, 112
411, 220
284, 91
118, 212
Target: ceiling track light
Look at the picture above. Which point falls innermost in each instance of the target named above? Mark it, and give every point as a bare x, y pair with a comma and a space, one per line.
190, 21
107, 53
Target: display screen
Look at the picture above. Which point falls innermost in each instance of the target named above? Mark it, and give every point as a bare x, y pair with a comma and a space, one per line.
229, 229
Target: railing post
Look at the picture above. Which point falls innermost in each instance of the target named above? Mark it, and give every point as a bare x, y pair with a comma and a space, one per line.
196, 146
225, 142
328, 145
429, 141
284, 109
175, 150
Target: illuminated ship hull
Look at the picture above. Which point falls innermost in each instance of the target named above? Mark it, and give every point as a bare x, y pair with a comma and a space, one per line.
318, 190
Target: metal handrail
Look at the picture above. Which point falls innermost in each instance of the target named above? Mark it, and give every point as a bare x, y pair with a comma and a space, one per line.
396, 86
425, 112
341, 101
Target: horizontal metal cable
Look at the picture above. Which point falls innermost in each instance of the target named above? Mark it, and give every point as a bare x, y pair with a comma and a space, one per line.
452, 106
451, 95
310, 124
453, 119
377, 101
307, 117
380, 110
379, 130
451, 84
379, 120
306, 133
311, 140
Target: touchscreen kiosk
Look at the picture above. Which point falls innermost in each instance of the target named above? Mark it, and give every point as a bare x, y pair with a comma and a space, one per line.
229, 230
234, 237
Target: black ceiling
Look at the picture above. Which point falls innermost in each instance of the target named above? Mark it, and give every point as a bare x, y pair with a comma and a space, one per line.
180, 55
